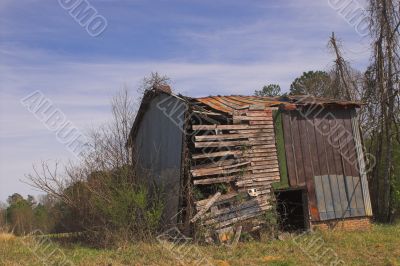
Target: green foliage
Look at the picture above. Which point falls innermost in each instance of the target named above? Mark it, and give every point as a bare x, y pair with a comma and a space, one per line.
280, 144
270, 90
20, 215
316, 83
223, 188
110, 207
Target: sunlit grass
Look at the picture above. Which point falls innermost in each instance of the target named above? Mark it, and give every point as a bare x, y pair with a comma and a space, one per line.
380, 246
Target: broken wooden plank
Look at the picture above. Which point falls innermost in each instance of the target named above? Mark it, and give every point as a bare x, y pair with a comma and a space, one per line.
241, 215
219, 170
272, 167
257, 171
265, 184
247, 204
232, 136
237, 235
256, 180
222, 198
216, 154
260, 122
219, 163
248, 131
232, 143
224, 171
215, 180
206, 207
259, 175
229, 127
257, 113
268, 139
252, 118
256, 158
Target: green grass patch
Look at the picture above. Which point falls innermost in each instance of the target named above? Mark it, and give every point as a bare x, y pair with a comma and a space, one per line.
379, 246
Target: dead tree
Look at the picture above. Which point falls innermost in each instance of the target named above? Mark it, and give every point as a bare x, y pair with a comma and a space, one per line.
384, 27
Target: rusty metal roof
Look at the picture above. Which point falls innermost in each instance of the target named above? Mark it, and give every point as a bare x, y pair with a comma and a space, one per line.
229, 104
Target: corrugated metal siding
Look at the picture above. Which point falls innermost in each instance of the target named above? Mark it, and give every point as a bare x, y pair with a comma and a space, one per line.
158, 148
339, 197
322, 155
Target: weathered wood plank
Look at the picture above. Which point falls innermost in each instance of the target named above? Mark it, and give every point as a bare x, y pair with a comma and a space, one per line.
260, 122
252, 118
215, 180
252, 131
290, 158
254, 212
256, 185
229, 127
231, 143
266, 170
268, 139
219, 170
244, 205
222, 198
259, 175
219, 163
258, 113
257, 179
232, 136
216, 154
266, 166
265, 162
245, 173
206, 207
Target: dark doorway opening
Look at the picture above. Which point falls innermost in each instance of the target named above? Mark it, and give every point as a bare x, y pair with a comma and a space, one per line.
292, 210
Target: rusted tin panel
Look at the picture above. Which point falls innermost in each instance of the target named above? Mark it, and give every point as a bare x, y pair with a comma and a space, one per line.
332, 204
229, 104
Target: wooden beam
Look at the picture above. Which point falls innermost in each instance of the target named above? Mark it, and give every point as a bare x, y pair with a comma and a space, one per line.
219, 170
233, 136
252, 118
215, 180
229, 127
234, 143
206, 207
219, 163
199, 204
216, 154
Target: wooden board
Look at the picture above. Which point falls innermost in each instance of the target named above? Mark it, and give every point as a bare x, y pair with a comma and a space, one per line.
232, 136
229, 127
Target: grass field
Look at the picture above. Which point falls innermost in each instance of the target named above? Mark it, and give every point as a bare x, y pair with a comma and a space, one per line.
380, 246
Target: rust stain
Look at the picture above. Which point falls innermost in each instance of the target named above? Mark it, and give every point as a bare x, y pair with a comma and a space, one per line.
232, 103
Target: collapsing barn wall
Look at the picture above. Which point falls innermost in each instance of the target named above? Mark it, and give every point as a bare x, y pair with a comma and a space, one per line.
323, 153
158, 147
233, 164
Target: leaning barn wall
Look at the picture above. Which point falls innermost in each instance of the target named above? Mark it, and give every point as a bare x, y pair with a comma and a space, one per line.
323, 155
158, 148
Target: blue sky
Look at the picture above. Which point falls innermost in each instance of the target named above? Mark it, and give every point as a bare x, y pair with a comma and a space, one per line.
206, 47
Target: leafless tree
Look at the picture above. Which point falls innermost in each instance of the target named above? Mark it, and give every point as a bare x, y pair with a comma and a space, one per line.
384, 25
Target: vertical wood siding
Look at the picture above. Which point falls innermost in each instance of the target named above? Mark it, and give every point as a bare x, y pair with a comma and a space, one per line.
322, 155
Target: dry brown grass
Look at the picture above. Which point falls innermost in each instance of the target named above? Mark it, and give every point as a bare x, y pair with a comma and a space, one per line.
379, 246
6, 236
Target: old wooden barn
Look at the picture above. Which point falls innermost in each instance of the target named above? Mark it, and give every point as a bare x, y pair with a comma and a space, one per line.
226, 161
